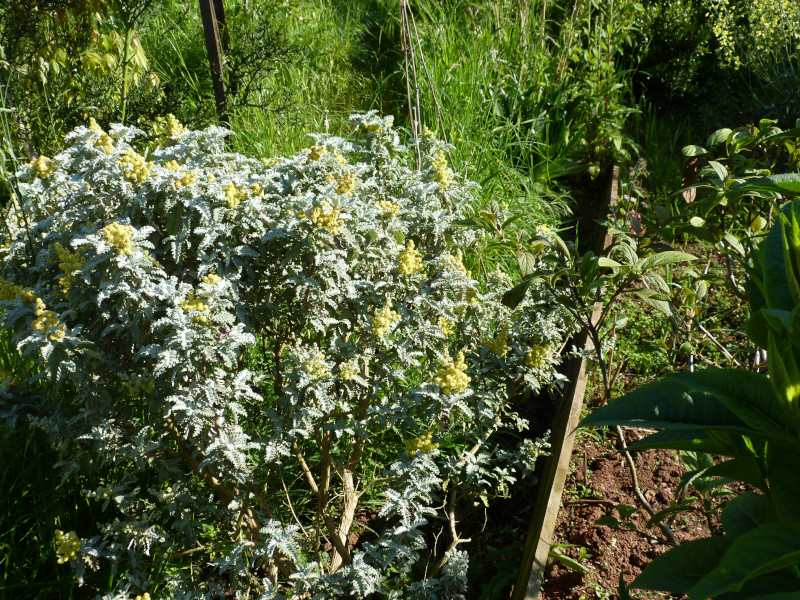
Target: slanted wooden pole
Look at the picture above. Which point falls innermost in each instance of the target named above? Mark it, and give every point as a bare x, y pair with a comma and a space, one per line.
551, 486
212, 17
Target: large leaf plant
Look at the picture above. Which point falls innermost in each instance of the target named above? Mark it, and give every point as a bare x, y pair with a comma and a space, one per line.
750, 418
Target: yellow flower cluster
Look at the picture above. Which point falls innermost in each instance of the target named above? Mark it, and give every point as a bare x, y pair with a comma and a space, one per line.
45, 319
212, 279
409, 261
69, 262
234, 195
67, 546
134, 167
384, 319
499, 344
94, 126
327, 217
456, 263
174, 126
346, 183
172, 166
375, 126
452, 376
186, 179
194, 304
316, 366
119, 236
105, 142
447, 326
144, 596
389, 208
9, 292
348, 370
535, 358
316, 153
43, 167
255, 190
422, 445
441, 174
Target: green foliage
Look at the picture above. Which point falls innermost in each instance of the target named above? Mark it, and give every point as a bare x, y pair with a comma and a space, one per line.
752, 419
140, 280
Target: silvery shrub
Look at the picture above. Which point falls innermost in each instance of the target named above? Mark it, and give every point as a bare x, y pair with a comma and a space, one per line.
281, 373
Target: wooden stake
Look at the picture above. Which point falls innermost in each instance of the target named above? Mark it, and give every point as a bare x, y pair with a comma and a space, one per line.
548, 501
211, 29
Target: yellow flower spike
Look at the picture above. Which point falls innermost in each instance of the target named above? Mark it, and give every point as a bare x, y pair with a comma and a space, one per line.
409, 261
43, 167
316, 367
452, 376
134, 167
172, 166
119, 236
389, 208
422, 445
441, 174
326, 217
69, 262
194, 304
349, 370
67, 546
384, 319
446, 325
316, 153
186, 179
105, 142
94, 126
346, 183
536, 357
234, 195
174, 126
499, 344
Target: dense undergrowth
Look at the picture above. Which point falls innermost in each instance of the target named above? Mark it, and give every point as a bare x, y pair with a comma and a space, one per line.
333, 335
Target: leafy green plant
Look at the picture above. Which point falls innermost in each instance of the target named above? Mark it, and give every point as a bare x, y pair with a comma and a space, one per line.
750, 418
247, 353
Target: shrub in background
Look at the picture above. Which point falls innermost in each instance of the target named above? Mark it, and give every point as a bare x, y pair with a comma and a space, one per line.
253, 355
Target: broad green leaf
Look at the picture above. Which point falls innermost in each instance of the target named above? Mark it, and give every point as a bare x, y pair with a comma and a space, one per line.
745, 468
719, 136
719, 169
745, 513
762, 550
665, 258
713, 398
655, 300
527, 262
783, 474
734, 243
515, 295
692, 150
787, 184
606, 262
681, 568
694, 440
697, 221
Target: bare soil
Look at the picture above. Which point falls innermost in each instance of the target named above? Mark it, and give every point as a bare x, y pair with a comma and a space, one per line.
599, 481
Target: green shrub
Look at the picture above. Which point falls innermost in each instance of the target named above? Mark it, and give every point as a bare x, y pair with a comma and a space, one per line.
252, 355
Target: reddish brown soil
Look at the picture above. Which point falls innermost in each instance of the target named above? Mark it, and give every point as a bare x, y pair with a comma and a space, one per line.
599, 481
